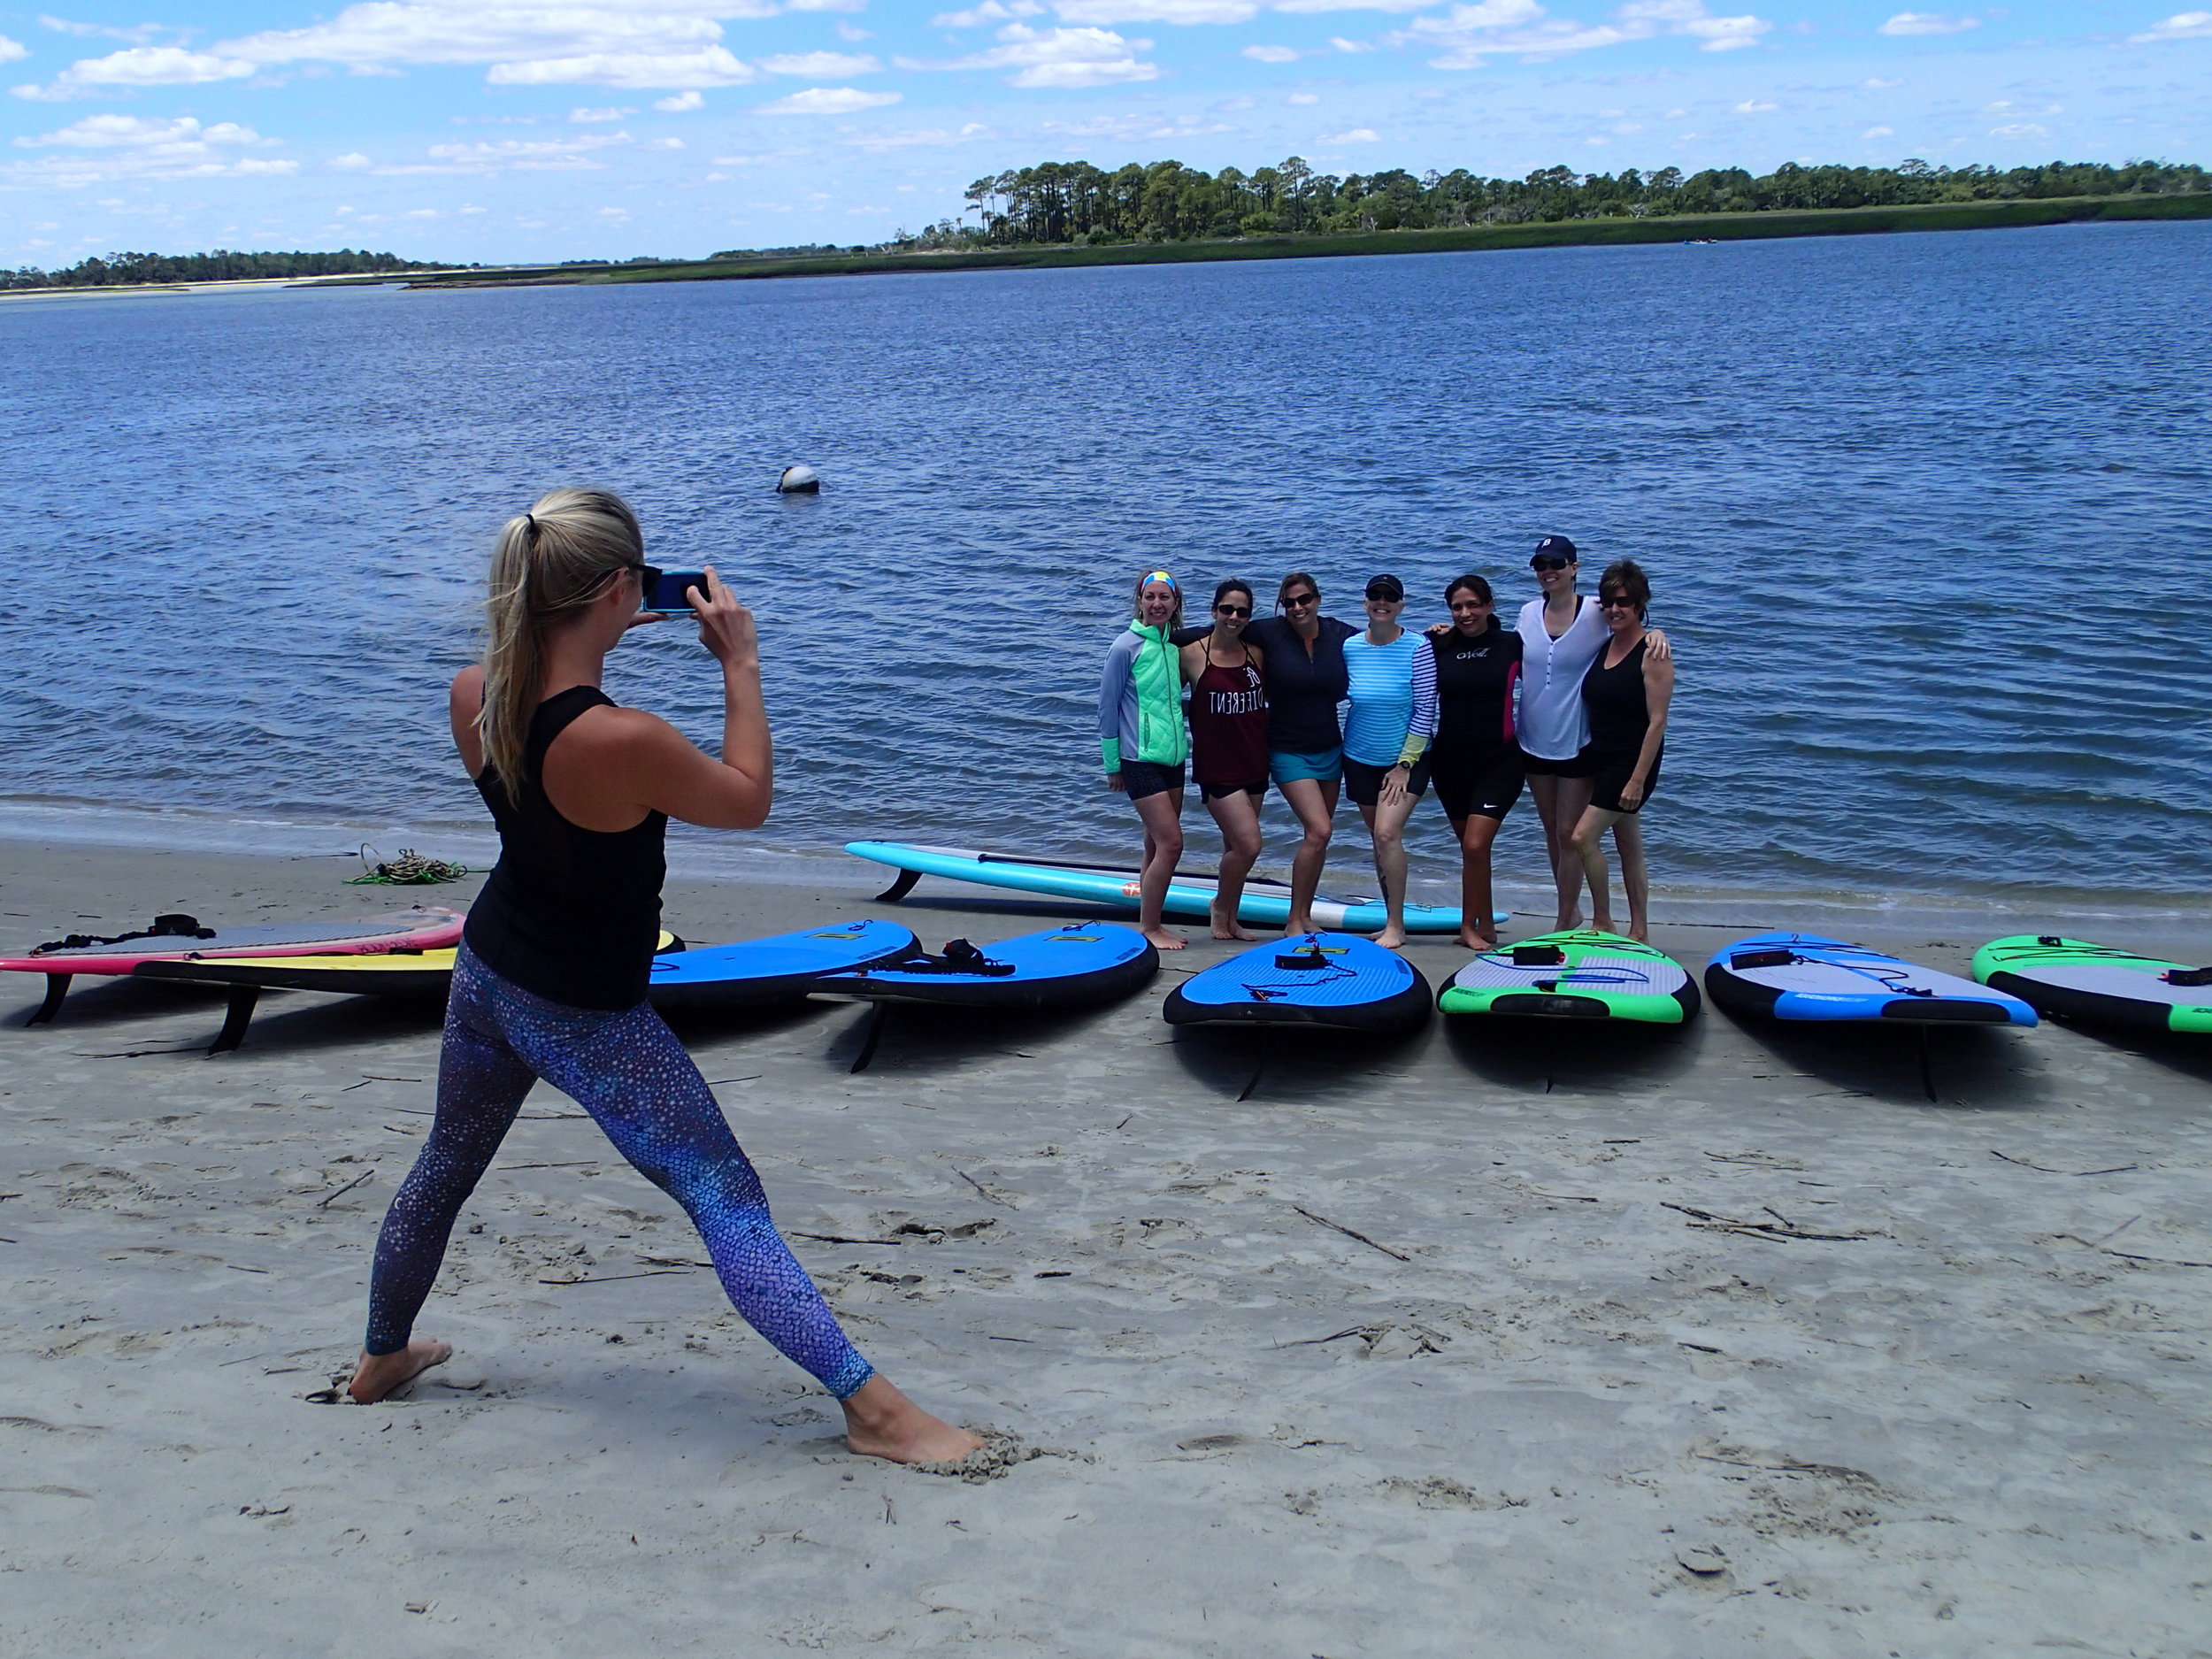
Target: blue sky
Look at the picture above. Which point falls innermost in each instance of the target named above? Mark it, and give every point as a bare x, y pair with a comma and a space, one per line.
539, 129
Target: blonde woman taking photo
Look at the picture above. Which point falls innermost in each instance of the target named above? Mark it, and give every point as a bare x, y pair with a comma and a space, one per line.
550, 977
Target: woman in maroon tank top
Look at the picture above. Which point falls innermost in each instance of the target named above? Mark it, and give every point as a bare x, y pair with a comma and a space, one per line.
1228, 744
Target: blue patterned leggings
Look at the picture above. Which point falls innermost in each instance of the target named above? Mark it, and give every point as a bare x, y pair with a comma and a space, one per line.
630, 1075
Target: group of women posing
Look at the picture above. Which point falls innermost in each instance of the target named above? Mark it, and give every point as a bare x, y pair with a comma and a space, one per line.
1573, 700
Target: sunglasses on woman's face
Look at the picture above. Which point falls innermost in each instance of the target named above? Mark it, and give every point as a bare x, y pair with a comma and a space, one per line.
1617, 602
1232, 610
1548, 562
1302, 599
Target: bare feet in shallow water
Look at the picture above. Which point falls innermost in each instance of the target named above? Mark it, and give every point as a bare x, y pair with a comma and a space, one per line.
881, 1421
378, 1374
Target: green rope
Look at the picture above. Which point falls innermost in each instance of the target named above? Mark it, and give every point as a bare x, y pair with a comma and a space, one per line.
410, 869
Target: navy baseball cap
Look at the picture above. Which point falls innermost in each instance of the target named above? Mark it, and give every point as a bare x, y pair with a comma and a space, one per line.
1385, 587
1557, 546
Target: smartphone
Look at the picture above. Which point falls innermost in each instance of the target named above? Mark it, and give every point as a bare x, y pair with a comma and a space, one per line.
667, 594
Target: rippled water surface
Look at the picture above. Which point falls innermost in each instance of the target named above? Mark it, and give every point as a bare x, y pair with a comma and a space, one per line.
1926, 516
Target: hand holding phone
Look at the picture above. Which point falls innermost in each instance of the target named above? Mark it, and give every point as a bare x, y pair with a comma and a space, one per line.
666, 594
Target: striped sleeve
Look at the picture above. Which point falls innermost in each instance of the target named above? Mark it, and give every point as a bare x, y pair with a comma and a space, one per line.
1422, 725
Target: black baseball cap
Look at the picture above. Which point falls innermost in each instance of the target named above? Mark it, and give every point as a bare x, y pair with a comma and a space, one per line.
1557, 546
1385, 587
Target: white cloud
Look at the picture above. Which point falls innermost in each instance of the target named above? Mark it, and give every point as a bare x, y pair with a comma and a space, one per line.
1928, 23
925, 138
1129, 128
1350, 5
1058, 59
1756, 106
1470, 34
10, 50
354, 161
2020, 129
825, 5
554, 155
989, 12
660, 43
584, 118
1304, 97
1879, 131
821, 65
829, 101
1357, 135
1874, 83
1157, 11
663, 143
2182, 26
106, 149
1274, 54
853, 36
137, 34
1343, 45
681, 102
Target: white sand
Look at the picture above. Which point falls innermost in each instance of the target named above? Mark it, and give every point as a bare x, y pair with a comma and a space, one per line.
1543, 1413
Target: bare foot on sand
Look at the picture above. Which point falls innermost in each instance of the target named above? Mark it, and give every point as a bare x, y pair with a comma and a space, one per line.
1475, 940
1571, 922
1229, 927
378, 1374
1164, 937
881, 1421
1603, 925
1391, 938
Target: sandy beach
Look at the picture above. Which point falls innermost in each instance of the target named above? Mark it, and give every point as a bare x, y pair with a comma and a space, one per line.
1706, 1342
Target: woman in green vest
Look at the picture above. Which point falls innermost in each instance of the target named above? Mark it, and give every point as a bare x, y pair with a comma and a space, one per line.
1142, 742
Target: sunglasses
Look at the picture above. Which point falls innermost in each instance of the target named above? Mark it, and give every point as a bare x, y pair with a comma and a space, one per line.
1232, 610
1616, 602
1302, 599
1387, 599
1548, 562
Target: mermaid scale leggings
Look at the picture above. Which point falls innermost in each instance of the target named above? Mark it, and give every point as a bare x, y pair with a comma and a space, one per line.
630, 1075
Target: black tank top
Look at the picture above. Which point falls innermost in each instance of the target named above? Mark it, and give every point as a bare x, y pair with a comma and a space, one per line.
1615, 698
569, 914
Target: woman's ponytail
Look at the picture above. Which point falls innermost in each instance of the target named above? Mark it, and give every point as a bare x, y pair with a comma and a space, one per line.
548, 563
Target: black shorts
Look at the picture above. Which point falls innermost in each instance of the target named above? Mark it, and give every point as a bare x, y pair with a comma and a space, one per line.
1143, 778
1609, 772
1574, 766
1477, 782
1215, 791
1364, 783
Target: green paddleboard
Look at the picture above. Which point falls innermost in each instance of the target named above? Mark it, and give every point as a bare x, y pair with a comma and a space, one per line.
1581, 974
2076, 979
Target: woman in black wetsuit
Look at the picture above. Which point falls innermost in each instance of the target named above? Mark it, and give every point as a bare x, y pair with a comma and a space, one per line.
550, 981
1475, 762
1627, 694
1303, 658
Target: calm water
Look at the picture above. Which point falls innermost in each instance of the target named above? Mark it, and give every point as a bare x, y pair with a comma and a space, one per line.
1925, 515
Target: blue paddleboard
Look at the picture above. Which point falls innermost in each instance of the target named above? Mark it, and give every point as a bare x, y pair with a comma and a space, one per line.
1803, 976
1339, 981
1065, 967
779, 969
1188, 896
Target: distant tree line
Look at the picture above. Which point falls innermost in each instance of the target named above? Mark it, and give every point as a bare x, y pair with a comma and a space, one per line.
220, 267
1075, 201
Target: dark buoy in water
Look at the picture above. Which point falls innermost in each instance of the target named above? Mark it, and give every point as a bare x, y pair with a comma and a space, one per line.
798, 481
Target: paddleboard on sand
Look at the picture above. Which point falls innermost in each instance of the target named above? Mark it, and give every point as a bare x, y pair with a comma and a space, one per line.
397, 973
171, 938
2076, 980
1082, 963
1189, 897
1803, 976
1580, 974
1338, 980
781, 968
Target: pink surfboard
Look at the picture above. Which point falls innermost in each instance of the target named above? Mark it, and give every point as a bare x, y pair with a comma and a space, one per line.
423, 927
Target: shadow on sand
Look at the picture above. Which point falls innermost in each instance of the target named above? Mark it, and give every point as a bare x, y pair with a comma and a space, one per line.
1985, 1067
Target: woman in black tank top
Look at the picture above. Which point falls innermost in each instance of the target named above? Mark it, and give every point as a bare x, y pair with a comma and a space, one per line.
550, 978
1627, 694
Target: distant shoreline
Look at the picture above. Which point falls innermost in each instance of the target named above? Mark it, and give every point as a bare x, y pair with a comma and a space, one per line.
1555, 234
